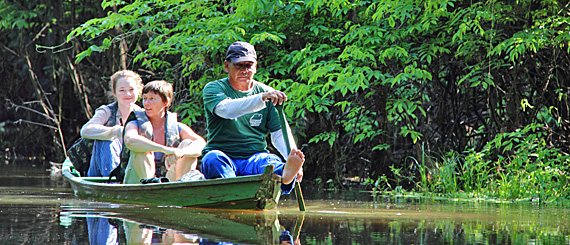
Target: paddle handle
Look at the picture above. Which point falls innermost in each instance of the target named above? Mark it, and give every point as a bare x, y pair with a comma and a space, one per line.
284, 127
299, 195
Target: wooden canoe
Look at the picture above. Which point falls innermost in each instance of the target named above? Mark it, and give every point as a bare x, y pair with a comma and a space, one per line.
244, 192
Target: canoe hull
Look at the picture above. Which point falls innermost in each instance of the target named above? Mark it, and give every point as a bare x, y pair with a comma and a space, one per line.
246, 192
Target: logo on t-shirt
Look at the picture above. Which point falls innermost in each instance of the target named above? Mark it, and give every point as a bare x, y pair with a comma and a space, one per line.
256, 119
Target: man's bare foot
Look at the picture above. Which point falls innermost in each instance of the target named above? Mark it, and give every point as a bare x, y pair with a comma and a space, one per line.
292, 166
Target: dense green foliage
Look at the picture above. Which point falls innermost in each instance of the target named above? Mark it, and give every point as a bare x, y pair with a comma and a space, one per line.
513, 166
383, 89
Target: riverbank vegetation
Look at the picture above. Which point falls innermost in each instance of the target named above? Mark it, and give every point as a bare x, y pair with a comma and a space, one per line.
443, 97
514, 166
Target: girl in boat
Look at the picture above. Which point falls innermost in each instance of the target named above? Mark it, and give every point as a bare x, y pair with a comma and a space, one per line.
157, 144
106, 126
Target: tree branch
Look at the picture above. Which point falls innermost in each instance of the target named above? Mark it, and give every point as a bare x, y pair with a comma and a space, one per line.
12, 104
45, 103
20, 121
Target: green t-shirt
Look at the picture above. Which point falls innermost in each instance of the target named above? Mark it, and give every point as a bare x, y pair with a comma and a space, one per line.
245, 135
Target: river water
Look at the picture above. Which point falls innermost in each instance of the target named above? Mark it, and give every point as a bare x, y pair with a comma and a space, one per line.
37, 206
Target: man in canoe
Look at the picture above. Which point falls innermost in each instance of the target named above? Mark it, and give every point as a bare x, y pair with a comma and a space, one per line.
240, 113
156, 144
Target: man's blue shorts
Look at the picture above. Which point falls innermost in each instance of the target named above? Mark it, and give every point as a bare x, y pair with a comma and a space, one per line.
216, 164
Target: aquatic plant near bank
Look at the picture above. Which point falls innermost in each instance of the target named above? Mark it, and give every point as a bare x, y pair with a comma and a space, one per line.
527, 166
513, 166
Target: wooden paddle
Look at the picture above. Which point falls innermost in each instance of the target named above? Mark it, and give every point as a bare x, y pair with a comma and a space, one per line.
284, 127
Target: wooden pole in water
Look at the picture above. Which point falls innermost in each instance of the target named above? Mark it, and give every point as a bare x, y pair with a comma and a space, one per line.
285, 127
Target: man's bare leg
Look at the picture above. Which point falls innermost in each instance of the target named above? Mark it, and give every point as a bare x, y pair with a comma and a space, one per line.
292, 166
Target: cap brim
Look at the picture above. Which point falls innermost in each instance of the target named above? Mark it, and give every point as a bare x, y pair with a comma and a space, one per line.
243, 59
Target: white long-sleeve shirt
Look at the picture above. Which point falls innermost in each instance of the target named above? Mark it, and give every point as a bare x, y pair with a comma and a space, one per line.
234, 108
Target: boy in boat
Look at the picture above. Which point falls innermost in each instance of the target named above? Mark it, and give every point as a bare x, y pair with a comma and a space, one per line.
157, 145
240, 113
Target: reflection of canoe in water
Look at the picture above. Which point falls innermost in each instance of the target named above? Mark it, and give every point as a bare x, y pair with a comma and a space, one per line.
244, 192
225, 226
234, 227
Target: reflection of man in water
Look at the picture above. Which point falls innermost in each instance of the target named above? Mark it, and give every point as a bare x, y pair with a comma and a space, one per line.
286, 238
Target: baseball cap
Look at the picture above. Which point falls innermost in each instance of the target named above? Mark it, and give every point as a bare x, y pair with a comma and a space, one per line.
240, 52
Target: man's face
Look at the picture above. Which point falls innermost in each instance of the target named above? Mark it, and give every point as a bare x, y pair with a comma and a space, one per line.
241, 72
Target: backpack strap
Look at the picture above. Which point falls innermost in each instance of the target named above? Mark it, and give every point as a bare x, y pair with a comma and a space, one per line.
171, 131
112, 121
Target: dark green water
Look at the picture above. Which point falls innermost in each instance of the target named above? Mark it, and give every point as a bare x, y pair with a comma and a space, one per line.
38, 207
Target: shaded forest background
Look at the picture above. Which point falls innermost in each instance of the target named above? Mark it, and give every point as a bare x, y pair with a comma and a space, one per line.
377, 88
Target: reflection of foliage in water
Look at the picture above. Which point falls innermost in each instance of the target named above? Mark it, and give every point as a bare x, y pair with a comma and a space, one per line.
440, 222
